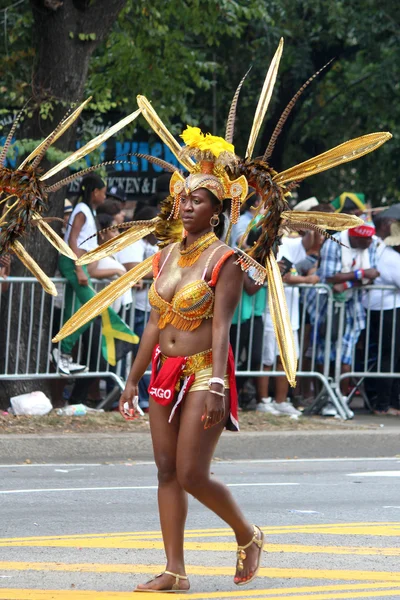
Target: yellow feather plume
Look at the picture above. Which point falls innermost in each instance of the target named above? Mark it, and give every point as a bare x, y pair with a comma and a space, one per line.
194, 138
34, 268
281, 320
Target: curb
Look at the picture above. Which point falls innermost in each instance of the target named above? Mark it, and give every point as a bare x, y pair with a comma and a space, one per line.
96, 447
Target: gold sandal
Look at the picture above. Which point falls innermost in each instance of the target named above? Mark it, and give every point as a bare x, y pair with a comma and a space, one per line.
175, 588
241, 554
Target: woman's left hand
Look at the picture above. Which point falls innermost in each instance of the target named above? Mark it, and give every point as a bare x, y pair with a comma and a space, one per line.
214, 410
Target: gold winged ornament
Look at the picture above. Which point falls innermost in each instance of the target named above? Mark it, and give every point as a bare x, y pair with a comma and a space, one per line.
24, 195
212, 163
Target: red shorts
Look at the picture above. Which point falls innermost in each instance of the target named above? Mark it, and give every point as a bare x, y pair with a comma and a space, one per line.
175, 376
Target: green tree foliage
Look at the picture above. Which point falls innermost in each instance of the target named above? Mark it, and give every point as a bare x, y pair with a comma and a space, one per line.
188, 56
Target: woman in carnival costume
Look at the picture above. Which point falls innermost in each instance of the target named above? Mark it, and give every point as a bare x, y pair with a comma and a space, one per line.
197, 285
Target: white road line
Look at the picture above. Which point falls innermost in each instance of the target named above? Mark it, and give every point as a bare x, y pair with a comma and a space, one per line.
306, 460
122, 488
216, 461
257, 484
375, 474
53, 465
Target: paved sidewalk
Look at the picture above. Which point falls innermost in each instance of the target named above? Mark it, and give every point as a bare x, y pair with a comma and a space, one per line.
97, 447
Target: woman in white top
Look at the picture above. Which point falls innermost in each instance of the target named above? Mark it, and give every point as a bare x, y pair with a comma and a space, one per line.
110, 267
81, 236
383, 307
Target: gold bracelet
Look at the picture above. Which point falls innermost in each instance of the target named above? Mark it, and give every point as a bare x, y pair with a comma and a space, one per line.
217, 393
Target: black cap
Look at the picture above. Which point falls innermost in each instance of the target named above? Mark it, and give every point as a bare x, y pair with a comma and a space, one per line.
116, 192
393, 212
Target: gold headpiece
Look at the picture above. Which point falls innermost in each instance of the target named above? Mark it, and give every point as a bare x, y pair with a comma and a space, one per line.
212, 155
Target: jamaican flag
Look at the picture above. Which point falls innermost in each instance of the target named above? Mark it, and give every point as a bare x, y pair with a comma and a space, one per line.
114, 330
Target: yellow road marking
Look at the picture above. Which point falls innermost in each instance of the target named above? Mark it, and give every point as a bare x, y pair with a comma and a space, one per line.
113, 541
271, 594
275, 573
371, 529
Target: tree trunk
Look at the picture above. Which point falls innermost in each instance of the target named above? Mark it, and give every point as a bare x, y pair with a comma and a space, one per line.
66, 34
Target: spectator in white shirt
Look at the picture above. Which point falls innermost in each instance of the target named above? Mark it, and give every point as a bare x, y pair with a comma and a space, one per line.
384, 307
109, 267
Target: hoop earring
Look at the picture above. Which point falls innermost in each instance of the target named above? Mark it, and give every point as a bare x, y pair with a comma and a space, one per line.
214, 221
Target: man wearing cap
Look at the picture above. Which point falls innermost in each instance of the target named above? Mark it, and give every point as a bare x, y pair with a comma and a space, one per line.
350, 203
347, 266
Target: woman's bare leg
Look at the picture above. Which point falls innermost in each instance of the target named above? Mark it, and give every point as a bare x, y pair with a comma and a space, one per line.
172, 498
194, 454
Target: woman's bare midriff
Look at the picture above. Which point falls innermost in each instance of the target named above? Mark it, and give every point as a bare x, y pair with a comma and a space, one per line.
175, 342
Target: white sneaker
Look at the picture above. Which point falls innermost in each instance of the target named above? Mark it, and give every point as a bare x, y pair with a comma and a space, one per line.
61, 361
265, 406
285, 408
329, 410
65, 363
76, 367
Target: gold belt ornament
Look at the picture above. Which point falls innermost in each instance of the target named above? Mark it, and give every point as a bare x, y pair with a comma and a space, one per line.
194, 363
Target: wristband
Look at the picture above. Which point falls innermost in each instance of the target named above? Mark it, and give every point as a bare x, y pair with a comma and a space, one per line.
216, 380
348, 285
359, 274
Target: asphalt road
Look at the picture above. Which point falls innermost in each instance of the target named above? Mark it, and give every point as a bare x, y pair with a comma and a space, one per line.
91, 532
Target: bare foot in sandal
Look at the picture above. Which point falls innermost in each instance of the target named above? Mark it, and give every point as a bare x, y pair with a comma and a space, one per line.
249, 558
165, 582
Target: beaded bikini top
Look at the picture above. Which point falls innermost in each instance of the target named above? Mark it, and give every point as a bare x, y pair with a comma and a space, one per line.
193, 303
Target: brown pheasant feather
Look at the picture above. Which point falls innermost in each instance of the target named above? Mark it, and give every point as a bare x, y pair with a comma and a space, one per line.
9, 138
286, 113
230, 124
70, 178
126, 225
296, 226
158, 161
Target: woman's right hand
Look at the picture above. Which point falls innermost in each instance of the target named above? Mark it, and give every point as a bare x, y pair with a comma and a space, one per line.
127, 397
82, 277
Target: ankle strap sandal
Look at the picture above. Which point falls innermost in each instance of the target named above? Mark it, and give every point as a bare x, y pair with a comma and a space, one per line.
175, 588
178, 578
258, 539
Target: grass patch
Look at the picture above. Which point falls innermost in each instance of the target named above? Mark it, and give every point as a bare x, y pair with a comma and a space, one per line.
110, 422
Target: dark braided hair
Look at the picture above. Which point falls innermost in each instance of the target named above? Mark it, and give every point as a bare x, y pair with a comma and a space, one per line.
88, 185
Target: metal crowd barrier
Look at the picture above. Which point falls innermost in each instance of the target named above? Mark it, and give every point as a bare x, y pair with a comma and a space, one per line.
377, 352
35, 308
309, 339
39, 313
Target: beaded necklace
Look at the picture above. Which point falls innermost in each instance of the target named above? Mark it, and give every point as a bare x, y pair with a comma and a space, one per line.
189, 256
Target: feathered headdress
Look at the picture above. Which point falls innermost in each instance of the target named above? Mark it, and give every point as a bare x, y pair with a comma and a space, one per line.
24, 195
211, 163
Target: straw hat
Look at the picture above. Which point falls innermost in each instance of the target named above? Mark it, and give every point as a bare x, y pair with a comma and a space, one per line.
307, 204
394, 238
